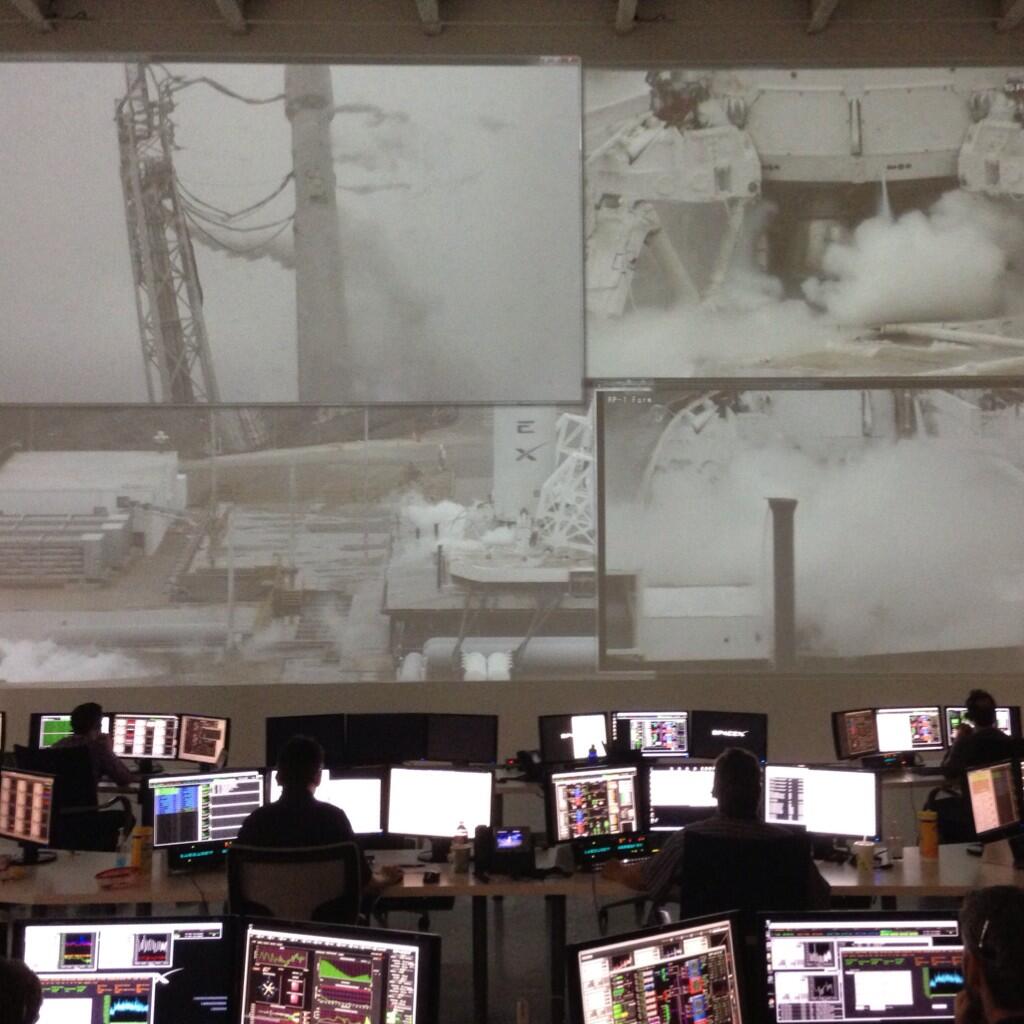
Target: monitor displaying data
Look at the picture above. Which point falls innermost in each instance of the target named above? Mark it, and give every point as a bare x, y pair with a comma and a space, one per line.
434, 802
855, 733
572, 737
911, 728
827, 801
26, 801
653, 733
202, 739
848, 967
327, 730
47, 728
1007, 721
711, 732
161, 971
679, 794
593, 802
148, 736
209, 808
995, 795
684, 972
361, 797
294, 972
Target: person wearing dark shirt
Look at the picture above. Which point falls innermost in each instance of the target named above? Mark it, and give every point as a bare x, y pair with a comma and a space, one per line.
298, 819
992, 929
21, 995
737, 789
978, 741
86, 723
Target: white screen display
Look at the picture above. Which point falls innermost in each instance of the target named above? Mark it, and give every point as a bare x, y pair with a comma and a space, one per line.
683, 786
434, 802
829, 802
360, 799
908, 729
145, 735
588, 731
25, 801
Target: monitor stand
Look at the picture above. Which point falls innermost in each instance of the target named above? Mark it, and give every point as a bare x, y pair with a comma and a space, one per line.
1005, 852
32, 856
147, 766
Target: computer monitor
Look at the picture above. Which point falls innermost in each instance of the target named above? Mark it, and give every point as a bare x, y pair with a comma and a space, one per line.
679, 794
45, 728
652, 733
359, 794
909, 729
711, 732
995, 795
1007, 721
434, 802
152, 737
327, 730
385, 738
202, 739
851, 966
855, 733
310, 972
826, 801
593, 802
463, 739
26, 802
565, 738
157, 970
687, 971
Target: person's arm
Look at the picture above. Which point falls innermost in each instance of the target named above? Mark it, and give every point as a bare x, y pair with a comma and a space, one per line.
110, 766
954, 764
653, 875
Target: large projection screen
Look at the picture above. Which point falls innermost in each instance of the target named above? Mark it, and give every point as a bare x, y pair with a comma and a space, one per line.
310, 233
906, 509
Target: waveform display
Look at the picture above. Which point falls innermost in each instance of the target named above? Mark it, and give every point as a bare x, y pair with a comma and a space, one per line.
153, 950
77, 949
279, 956
128, 1011
944, 981
353, 970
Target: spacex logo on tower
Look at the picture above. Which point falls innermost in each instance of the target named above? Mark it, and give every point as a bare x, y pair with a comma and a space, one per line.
733, 734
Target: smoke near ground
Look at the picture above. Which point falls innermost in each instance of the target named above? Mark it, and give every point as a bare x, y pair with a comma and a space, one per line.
43, 661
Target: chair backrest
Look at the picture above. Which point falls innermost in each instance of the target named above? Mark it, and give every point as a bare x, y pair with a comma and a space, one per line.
307, 883
954, 817
74, 784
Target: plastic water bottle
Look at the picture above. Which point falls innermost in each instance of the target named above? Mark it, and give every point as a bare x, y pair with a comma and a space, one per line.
461, 837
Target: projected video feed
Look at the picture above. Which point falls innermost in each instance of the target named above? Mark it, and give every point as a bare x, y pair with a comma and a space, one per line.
811, 222
859, 507
348, 231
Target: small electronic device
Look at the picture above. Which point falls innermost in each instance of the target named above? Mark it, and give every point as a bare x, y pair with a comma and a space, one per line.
691, 967
147, 737
711, 732
862, 966
855, 733
1007, 721
360, 794
996, 800
594, 851
26, 805
680, 794
826, 801
327, 730
434, 802
593, 802
308, 972
909, 729
203, 739
504, 851
652, 733
567, 738
161, 971
45, 728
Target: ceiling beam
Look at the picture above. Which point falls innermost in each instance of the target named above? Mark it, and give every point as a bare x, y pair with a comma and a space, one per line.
233, 13
1013, 15
34, 11
430, 16
625, 18
821, 11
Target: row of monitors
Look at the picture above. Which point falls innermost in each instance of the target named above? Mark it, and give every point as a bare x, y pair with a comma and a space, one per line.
867, 731
844, 967
220, 970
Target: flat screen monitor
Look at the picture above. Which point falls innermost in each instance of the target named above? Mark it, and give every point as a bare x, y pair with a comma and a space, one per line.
711, 732
851, 967
202, 739
995, 795
1007, 721
46, 728
385, 738
464, 739
593, 802
26, 800
565, 738
909, 729
688, 971
203, 809
434, 802
679, 794
308, 972
826, 801
652, 733
855, 733
327, 730
359, 794
157, 970
154, 737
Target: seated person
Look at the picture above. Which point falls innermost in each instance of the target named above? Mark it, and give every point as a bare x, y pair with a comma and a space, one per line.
992, 927
982, 743
86, 722
737, 789
21, 995
297, 818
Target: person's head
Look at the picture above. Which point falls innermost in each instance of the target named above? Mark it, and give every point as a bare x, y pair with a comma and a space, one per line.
87, 719
981, 708
737, 783
20, 993
992, 929
300, 763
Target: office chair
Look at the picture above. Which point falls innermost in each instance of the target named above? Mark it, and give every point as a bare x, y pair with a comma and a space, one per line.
298, 883
953, 810
78, 821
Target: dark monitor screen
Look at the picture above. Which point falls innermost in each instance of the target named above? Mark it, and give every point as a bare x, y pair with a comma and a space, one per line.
711, 732
680, 794
203, 809
1007, 721
855, 733
26, 803
385, 738
826, 801
151, 736
593, 802
202, 738
565, 738
46, 728
307, 972
652, 733
851, 967
995, 796
161, 971
466, 739
327, 730
687, 972
909, 728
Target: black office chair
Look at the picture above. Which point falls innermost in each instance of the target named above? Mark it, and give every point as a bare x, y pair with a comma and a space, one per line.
953, 814
78, 821
302, 883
